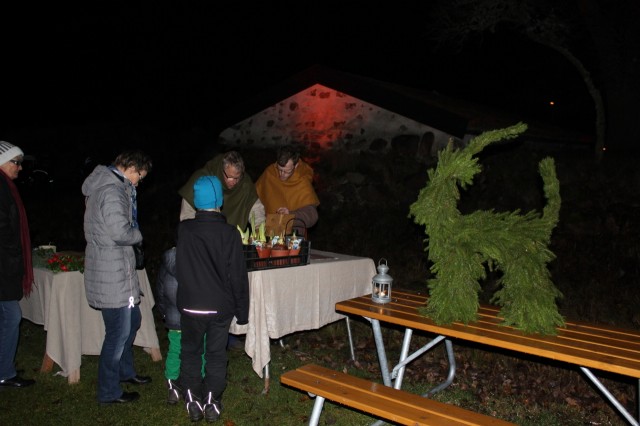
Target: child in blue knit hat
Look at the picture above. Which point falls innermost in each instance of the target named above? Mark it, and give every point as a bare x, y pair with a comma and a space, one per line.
214, 287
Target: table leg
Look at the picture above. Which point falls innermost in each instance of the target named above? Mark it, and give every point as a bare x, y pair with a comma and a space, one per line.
353, 355
155, 353
47, 367
382, 356
267, 383
452, 369
610, 396
47, 364
74, 377
317, 409
404, 359
397, 383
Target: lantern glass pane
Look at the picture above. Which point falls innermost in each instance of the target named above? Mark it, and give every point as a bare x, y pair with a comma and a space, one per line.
381, 292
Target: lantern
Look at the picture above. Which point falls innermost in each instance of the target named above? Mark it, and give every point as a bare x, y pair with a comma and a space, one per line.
381, 284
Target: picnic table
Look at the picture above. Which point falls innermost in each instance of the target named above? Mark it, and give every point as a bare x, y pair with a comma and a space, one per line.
584, 345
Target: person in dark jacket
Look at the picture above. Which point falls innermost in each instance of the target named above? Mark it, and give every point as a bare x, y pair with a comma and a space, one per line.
16, 273
214, 287
167, 289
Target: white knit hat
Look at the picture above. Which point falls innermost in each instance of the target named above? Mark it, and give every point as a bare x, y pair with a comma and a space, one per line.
8, 151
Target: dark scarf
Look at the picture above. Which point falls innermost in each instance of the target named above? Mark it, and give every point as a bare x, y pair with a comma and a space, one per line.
25, 240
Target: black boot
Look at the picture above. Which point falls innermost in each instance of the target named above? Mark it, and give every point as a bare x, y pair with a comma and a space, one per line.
212, 409
174, 393
194, 407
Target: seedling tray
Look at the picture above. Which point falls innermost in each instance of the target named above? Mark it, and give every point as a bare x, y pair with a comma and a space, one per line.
256, 263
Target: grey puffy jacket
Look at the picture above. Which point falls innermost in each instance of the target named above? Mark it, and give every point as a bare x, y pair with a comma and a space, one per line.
110, 276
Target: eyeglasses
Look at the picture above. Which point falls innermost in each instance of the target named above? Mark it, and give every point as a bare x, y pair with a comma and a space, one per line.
226, 176
16, 162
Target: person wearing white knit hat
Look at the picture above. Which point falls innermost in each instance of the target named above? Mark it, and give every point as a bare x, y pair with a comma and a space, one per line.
12, 154
15, 263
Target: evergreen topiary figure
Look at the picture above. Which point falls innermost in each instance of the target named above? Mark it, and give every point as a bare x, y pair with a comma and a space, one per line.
460, 246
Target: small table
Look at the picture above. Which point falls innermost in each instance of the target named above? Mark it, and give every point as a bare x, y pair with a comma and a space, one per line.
286, 300
58, 302
582, 344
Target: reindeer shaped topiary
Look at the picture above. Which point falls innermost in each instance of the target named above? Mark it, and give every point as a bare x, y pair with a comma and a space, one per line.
461, 246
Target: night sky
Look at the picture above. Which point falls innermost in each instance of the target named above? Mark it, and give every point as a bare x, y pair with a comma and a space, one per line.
179, 66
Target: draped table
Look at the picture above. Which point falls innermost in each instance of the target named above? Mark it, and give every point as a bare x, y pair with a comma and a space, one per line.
287, 300
58, 302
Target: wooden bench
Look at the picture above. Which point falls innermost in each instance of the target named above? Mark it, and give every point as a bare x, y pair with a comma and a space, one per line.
377, 399
588, 346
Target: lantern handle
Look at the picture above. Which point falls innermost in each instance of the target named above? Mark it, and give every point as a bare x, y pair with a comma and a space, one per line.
381, 259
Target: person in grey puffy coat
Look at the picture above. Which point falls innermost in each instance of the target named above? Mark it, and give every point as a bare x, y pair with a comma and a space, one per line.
110, 277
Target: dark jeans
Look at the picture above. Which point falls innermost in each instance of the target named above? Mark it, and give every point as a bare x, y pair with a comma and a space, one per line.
10, 316
116, 357
194, 329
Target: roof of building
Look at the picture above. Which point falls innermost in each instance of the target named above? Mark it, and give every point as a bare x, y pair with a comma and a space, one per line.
394, 98
453, 116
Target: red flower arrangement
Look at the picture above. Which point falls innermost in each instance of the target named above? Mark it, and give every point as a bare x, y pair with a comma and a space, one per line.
65, 263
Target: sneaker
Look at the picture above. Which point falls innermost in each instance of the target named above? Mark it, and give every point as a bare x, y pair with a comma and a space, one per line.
212, 409
173, 393
193, 407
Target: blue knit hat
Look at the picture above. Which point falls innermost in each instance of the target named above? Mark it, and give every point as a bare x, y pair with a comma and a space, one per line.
207, 193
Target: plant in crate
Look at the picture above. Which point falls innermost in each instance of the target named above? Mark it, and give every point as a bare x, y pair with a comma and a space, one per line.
255, 239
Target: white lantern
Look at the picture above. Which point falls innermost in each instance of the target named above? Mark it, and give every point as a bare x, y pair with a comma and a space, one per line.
381, 284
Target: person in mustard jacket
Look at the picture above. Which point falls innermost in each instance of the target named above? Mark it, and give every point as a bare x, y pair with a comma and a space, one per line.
286, 187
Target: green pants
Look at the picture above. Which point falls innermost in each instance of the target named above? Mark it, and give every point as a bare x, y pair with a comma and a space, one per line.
172, 364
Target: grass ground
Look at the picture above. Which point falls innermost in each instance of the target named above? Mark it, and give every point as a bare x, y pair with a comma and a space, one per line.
512, 397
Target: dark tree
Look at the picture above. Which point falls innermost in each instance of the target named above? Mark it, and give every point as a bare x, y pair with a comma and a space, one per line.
598, 38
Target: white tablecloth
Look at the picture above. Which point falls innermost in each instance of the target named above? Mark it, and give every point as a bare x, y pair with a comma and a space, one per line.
73, 328
286, 300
